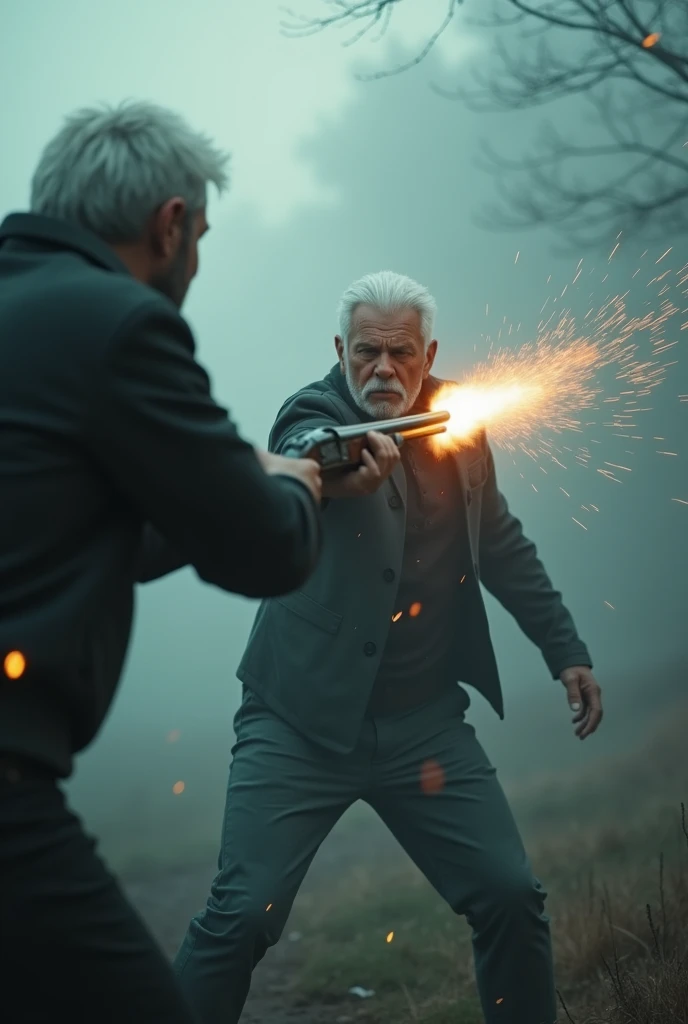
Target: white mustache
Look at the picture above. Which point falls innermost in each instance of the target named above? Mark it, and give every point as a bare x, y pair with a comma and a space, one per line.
382, 386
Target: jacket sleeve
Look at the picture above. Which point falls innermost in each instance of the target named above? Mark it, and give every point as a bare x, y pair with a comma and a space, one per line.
156, 557
513, 573
306, 410
156, 430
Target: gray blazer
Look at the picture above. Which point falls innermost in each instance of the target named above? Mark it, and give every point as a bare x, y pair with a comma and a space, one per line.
312, 655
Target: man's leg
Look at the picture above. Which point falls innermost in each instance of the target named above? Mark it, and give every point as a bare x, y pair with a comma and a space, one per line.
437, 792
71, 947
284, 796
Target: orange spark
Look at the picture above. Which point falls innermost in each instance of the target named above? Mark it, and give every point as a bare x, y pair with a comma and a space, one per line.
651, 40
268, 907
178, 788
395, 618
390, 936
610, 605
415, 609
515, 392
547, 384
14, 665
432, 777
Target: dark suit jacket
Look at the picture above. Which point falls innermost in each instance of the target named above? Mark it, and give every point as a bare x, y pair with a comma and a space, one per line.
313, 654
106, 423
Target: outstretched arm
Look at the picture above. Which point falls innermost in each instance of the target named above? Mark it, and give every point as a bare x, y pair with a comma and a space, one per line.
179, 459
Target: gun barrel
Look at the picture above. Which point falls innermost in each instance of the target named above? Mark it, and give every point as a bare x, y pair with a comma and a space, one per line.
339, 448
433, 428
400, 425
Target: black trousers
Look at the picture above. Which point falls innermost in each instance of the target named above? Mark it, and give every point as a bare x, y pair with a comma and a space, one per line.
71, 947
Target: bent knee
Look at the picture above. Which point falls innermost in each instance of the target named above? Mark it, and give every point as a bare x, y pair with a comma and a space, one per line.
241, 920
260, 919
510, 892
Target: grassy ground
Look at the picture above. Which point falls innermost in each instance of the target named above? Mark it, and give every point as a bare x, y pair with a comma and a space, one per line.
613, 852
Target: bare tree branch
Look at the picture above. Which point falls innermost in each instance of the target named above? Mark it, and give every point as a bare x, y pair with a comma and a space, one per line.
372, 13
430, 44
628, 58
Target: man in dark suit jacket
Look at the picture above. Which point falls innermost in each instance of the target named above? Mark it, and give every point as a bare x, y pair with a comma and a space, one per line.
109, 439
350, 683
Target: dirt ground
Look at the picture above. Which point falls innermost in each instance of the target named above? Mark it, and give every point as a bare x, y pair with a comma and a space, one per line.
168, 901
167, 904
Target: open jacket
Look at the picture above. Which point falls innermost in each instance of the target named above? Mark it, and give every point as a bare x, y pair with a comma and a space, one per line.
313, 654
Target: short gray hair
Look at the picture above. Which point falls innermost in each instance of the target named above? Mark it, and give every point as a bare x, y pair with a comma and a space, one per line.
387, 292
109, 168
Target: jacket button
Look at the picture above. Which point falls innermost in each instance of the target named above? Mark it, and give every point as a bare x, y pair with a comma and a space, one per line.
369, 649
394, 501
388, 575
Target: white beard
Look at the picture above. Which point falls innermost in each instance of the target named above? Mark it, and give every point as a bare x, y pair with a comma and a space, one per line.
378, 407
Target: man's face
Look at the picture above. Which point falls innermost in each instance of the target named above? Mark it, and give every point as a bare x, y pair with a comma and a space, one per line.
385, 361
178, 264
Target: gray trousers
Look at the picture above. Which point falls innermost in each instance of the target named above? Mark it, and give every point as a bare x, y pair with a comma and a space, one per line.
285, 794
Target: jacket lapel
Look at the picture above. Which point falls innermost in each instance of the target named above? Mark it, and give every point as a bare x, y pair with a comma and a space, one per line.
397, 483
462, 470
462, 459
430, 389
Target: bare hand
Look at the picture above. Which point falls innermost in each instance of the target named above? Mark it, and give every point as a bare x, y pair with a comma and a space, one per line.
378, 465
305, 470
585, 699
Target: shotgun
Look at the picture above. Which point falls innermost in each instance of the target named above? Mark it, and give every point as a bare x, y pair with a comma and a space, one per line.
339, 448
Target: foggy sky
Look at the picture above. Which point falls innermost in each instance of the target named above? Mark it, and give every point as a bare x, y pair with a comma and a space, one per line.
332, 179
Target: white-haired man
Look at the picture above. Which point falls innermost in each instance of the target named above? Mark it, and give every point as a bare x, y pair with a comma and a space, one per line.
345, 698
109, 434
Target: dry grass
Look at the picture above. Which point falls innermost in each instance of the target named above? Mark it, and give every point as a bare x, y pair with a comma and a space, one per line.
615, 860
652, 995
622, 961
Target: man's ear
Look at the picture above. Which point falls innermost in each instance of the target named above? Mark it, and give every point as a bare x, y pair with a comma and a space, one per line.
167, 227
339, 345
430, 354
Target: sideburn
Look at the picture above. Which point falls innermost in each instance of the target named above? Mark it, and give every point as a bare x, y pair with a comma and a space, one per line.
172, 282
